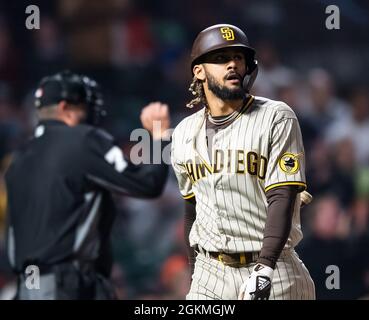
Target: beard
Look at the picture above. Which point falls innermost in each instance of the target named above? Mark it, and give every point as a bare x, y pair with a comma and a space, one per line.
222, 92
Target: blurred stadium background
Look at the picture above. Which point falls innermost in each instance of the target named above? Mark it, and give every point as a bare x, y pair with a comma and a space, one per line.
139, 51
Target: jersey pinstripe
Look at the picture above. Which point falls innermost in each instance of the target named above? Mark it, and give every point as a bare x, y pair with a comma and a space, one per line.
260, 150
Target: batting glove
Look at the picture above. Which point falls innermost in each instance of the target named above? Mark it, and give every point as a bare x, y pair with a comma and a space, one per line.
305, 198
258, 285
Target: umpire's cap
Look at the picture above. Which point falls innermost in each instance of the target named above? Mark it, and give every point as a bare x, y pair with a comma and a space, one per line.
72, 88
222, 36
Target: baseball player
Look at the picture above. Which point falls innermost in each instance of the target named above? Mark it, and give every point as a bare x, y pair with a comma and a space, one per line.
60, 208
240, 167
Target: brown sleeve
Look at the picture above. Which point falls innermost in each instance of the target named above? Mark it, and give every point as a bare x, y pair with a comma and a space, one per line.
189, 218
281, 202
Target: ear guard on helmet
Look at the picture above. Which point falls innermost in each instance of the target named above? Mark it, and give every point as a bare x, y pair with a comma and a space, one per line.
250, 77
94, 101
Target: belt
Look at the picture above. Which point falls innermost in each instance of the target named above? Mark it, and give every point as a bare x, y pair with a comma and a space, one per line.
235, 260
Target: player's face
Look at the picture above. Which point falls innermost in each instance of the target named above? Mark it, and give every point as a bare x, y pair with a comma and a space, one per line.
224, 71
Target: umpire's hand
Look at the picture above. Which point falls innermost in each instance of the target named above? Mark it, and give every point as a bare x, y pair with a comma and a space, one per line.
258, 285
155, 118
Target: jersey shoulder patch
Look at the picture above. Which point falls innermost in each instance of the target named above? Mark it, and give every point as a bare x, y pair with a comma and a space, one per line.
289, 162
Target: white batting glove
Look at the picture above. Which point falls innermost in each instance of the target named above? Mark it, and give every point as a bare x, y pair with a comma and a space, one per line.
258, 285
305, 198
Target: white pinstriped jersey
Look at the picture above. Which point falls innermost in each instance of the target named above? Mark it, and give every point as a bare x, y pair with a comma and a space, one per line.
260, 150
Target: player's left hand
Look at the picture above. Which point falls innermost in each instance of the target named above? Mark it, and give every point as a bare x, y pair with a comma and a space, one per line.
258, 285
305, 198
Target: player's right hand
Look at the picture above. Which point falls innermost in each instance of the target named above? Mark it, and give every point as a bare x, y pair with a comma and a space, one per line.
155, 118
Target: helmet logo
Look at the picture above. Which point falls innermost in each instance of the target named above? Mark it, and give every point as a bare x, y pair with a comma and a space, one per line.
227, 33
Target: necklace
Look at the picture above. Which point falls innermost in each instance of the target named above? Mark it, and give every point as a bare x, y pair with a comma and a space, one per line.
224, 120
229, 117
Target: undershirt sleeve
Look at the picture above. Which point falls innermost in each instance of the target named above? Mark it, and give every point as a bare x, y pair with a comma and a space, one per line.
281, 202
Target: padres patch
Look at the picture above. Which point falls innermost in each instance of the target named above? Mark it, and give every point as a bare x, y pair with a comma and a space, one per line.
289, 163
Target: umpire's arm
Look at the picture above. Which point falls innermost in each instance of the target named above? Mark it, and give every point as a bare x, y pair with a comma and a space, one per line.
107, 167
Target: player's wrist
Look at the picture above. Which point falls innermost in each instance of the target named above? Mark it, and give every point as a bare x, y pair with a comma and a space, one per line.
267, 261
263, 270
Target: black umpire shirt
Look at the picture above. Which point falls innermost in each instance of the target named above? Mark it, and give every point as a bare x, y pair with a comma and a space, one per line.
59, 195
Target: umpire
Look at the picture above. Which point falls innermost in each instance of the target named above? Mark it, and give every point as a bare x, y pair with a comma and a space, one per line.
60, 208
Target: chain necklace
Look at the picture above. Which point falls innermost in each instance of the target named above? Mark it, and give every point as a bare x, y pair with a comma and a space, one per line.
224, 120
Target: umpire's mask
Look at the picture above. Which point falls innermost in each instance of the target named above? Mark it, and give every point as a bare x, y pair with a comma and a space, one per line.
74, 89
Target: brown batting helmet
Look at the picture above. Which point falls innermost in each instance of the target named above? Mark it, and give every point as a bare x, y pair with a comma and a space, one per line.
222, 36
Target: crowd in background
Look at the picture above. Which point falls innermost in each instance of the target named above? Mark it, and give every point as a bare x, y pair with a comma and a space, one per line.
139, 52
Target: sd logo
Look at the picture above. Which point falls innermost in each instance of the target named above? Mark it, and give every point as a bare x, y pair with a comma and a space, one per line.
227, 33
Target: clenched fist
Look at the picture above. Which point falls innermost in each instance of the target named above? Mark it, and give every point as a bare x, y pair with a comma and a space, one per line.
155, 118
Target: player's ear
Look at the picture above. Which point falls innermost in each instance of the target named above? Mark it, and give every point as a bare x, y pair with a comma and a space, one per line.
199, 72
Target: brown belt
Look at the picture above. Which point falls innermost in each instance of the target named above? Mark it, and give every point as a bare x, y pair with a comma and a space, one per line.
235, 260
